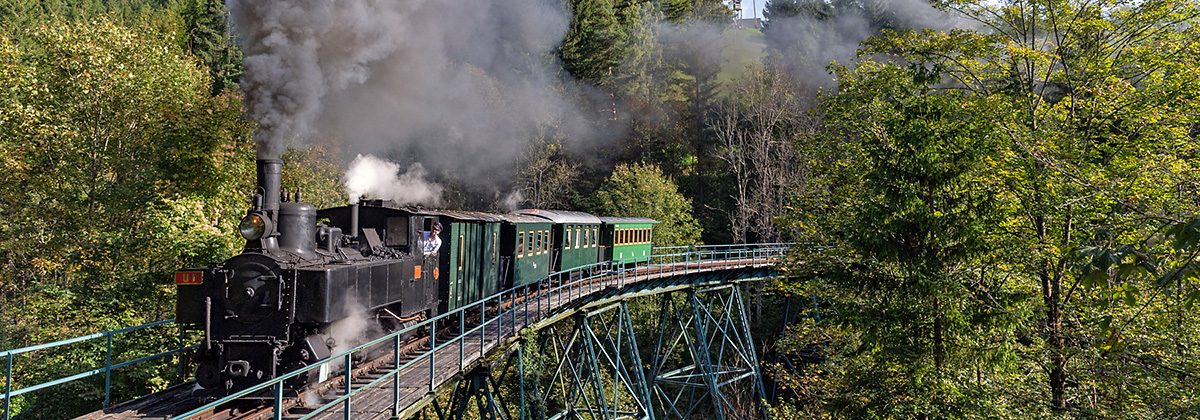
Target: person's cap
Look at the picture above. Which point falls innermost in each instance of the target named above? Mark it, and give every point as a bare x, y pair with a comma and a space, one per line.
437, 226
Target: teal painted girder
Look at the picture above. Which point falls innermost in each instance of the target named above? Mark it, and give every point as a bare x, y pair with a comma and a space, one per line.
674, 283
710, 331
703, 364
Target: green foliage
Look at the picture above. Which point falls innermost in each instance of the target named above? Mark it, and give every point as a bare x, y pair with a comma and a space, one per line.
641, 190
16, 16
119, 169
209, 40
312, 170
1062, 180
906, 238
594, 43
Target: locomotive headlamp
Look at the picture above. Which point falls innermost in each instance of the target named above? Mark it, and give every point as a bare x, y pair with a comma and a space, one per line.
253, 227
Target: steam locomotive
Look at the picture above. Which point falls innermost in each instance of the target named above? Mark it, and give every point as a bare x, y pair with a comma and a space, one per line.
275, 307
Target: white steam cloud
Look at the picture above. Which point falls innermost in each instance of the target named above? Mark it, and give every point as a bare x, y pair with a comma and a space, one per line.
512, 201
378, 178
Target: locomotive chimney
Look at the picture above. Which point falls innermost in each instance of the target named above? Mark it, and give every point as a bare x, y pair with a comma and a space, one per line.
270, 173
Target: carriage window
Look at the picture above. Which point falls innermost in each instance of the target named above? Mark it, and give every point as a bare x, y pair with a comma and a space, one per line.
578, 236
595, 236
587, 238
520, 244
495, 251
397, 231
540, 243
546, 242
529, 246
461, 254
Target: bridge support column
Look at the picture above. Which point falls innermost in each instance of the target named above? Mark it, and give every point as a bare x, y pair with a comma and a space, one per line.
705, 364
478, 388
598, 370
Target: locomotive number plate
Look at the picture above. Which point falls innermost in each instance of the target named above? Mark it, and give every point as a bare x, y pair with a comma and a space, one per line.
189, 277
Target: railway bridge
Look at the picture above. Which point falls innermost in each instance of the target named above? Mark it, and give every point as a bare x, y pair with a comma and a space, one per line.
565, 348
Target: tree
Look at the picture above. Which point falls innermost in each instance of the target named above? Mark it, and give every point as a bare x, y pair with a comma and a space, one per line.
641, 190
761, 127
208, 38
1091, 161
594, 43
313, 172
909, 239
1091, 100
90, 240
546, 174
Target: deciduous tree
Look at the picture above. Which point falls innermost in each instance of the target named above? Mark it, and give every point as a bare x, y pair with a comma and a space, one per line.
641, 190
120, 168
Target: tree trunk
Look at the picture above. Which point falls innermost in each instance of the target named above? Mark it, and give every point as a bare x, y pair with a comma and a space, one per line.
939, 350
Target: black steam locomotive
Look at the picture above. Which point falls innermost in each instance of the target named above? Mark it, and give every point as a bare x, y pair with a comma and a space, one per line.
274, 307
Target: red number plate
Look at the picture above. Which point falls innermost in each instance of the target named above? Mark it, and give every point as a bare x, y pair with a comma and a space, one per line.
189, 277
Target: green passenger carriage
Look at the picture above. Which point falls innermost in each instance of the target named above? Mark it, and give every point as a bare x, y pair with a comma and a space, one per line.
525, 246
574, 237
469, 259
626, 239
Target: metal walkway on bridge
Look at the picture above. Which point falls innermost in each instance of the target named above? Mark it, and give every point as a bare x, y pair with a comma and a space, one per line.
600, 372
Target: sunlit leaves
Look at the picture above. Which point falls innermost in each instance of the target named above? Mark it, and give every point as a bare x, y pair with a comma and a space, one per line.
641, 190
120, 169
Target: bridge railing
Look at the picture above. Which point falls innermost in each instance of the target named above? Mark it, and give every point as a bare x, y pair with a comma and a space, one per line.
9, 355
563, 286
536, 299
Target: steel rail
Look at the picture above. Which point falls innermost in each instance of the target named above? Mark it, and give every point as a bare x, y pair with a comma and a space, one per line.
553, 286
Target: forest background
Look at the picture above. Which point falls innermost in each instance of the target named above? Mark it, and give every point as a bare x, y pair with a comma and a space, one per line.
997, 199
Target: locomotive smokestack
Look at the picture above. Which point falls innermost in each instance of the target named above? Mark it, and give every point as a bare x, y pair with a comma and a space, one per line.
270, 174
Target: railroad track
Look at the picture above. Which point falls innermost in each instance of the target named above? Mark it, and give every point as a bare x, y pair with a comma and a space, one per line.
176, 400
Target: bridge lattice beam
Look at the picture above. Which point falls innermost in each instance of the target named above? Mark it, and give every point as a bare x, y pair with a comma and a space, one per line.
702, 364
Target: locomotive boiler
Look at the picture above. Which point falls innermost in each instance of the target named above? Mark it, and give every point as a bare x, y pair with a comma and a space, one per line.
272, 308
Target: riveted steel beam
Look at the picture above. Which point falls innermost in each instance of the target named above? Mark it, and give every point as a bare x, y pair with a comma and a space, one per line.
705, 365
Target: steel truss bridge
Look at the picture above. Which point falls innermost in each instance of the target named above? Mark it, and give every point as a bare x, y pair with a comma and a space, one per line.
568, 342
